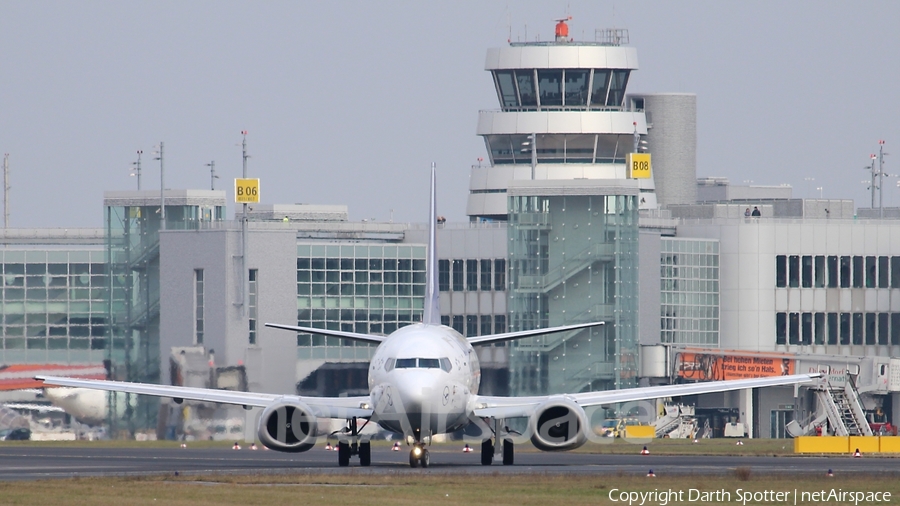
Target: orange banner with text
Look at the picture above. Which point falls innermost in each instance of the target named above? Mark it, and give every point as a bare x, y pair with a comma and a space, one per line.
700, 366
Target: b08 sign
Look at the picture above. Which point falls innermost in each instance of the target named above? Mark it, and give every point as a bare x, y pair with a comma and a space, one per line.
246, 191
639, 166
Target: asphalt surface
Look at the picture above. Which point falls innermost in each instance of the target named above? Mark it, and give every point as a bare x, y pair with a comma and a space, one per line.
41, 462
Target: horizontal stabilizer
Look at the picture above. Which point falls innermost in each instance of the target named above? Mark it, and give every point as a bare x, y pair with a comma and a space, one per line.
368, 338
508, 336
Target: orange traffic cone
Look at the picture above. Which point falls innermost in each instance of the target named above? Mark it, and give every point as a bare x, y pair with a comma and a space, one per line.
396, 447
650, 474
856, 454
829, 474
645, 451
467, 448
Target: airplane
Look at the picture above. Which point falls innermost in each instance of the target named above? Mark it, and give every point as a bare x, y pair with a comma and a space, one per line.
423, 381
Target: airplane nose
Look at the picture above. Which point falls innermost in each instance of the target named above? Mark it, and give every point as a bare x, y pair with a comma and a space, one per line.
416, 391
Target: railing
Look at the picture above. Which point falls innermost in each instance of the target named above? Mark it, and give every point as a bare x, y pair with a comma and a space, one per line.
571, 266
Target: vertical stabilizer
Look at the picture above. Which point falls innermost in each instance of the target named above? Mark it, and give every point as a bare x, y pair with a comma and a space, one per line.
432, 314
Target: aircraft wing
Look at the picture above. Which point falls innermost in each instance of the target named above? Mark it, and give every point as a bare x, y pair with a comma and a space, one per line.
512, 407
368, 338
508, 336
323, 407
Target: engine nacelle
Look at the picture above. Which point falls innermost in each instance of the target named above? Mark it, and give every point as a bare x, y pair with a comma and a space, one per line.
288, 427
557, 425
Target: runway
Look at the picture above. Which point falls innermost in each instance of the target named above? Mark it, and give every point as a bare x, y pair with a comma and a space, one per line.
44, 462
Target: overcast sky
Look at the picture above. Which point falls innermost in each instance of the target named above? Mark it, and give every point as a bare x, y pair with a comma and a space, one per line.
350, 102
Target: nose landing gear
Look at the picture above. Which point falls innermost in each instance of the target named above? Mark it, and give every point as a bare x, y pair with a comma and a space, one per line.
419, 455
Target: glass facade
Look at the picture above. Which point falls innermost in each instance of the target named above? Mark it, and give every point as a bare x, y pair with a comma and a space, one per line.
132, 252
689, 291
559, 148
573, 259
366, 288
55, 307
571, 89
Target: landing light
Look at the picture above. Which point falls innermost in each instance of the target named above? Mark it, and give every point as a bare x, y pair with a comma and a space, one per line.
417, 451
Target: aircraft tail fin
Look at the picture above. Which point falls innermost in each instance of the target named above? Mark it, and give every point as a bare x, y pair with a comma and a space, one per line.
432, 315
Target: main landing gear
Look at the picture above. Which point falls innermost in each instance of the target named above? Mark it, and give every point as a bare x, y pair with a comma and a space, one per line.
352, 445
419, 455
488, 447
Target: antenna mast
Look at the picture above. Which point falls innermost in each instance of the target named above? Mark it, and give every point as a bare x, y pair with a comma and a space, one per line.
6, 190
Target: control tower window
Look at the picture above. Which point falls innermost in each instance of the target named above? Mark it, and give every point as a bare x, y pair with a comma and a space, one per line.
500, 149
617, 87
576, 87
580, 148
551, 148
609, 150
525, 80
506, 86
549, 82
598, 87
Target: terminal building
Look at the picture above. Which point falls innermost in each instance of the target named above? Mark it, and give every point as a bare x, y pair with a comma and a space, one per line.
560, 231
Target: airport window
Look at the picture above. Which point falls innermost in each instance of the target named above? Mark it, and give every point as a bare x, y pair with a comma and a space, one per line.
780, 328
471, 325
832, 328
499, 323
251, 305
870, 272
617, 87
458, 275
198, 306
472, 275
806, 267
444, 275
500, 274
780, 271
445, 320
820, 328
599, 84
806, 326
486, 281
858, 272
895, 272
506, 86
884, 328
895, 328
845, 272
833, 280
794, 328
858, 328
819, 272
486, 324
884, 277
845, 328
458, 323
549, 84
794, 271
870, 328
576, 87
525, 80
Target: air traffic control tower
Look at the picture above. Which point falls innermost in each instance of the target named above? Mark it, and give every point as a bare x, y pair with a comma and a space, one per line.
563, 116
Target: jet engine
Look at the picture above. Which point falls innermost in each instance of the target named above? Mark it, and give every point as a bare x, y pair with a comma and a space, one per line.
558, 424
288, 427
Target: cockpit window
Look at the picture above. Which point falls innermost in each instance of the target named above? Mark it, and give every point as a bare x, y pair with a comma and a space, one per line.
421, 363
429, 363
406, 363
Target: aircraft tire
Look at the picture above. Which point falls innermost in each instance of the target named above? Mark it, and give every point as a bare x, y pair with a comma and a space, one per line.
508, 452
413, 460
487, 452
425, 459
343, 454
365, 454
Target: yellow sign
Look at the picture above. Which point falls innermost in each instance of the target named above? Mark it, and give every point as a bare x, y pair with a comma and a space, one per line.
246, 191
638, 165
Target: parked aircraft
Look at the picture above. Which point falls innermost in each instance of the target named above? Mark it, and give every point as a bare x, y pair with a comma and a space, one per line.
423, 381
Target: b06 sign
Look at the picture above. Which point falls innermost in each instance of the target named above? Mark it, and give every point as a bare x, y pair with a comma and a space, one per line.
246, 191
638, 165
